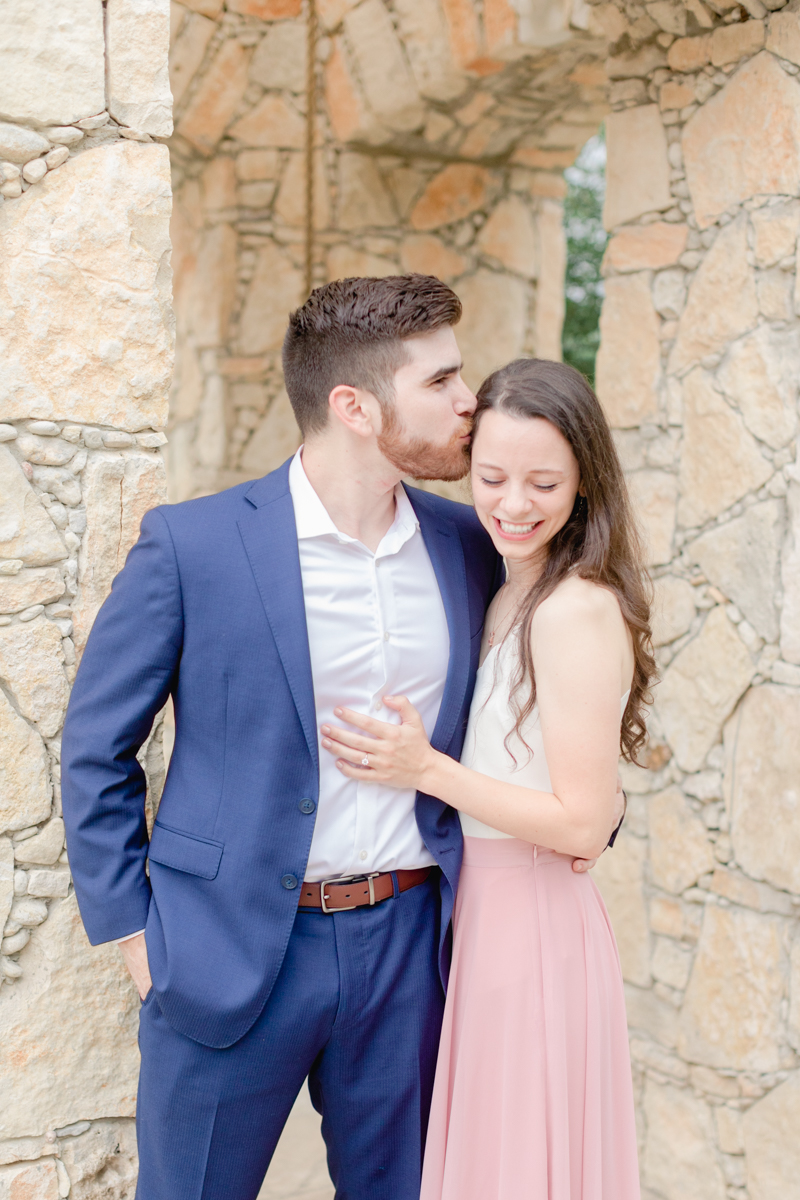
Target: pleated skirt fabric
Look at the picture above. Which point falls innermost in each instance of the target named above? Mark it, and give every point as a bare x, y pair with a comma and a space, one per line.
533, 1098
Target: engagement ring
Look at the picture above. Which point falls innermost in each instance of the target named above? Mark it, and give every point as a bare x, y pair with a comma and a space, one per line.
365, 761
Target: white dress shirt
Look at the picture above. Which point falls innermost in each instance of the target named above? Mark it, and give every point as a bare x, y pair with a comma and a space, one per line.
376, 626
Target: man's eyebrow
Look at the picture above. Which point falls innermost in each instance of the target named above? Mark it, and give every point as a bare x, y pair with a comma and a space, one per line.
442, 372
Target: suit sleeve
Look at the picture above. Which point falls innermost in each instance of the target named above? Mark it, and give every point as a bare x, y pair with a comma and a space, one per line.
126, 674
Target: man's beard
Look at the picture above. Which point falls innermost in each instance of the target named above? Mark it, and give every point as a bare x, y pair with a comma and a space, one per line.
422, 459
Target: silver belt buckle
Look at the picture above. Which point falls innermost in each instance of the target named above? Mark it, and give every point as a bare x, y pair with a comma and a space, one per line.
348, 879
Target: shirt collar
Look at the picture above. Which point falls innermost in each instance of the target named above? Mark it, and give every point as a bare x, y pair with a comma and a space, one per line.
313, 520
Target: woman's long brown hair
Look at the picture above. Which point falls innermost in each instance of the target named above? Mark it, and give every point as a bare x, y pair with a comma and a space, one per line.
600, 540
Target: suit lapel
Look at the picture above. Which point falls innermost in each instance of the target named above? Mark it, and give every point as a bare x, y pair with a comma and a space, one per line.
447, 558
269, 533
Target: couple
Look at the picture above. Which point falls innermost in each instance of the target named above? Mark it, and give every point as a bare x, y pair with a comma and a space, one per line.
320, 854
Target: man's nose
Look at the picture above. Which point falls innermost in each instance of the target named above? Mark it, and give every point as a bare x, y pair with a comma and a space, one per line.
466, 401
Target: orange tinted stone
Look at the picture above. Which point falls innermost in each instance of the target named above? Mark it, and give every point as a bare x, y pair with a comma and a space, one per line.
452, 194
729, 43
479, 137
426, 255
217, 98
462, 25
267, 10
591, 74
499, 23
533, 156
344, 105
641, 246
485, 66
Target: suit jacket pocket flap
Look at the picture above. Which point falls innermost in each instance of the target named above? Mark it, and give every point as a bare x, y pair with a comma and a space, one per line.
185, 852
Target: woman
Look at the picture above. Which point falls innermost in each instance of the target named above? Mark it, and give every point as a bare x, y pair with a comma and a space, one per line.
533, 1095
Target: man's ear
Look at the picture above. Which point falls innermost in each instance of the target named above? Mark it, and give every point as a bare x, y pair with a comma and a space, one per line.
358, 410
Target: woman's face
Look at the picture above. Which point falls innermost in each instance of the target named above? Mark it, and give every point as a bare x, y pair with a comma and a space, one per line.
525, 479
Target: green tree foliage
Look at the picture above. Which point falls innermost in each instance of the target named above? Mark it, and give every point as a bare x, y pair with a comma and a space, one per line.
586, 243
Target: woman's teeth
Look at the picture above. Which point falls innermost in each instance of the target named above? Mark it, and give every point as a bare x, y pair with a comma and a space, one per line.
510, 527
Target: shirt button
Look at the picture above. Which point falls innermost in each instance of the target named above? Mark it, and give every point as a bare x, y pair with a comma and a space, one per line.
306, 805
377, 706
289, 882
363, 855
386, 637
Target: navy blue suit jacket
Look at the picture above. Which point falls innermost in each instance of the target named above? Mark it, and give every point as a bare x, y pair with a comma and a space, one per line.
209, 608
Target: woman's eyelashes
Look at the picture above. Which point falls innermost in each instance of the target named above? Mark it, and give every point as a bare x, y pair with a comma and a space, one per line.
540, 487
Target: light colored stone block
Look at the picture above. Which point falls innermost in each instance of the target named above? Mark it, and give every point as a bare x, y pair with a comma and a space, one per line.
722, 302
275, 440
275, 290
637, 171
680, 851
639, 247
53, 61
510, 237
102, 1157
213, 298
760, 374
729, 43
548, 317
85, 331
619, 876
280, 58
118, 489
742, 559
429, 256
764, 785
628, 367
790, 577
388, 84
273, 122
44, 847
424, 34
783, 37
673, 609
20, 145
31, 666
492, 329
679, 1160
700, 689
86, 994
6, 879
745, 141
775, 229
137, 70
655, 495
671, 963
25, 790
26, 531
39, 585
731, 1015
710, 483
364, 200
771, 1143
188, 53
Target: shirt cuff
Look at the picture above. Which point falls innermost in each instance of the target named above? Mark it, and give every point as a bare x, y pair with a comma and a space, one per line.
128, 937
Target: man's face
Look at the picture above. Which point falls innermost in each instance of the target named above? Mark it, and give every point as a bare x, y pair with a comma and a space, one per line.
426, 432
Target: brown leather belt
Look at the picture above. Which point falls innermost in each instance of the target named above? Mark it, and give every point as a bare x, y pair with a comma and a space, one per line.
339, 895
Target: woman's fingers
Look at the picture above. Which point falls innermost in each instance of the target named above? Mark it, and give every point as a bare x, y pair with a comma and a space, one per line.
352, 755
346, 737
360, 721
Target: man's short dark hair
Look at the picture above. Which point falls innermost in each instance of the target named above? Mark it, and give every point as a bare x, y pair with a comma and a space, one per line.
351, 332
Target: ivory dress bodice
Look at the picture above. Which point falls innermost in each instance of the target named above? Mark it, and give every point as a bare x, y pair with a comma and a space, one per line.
490, 719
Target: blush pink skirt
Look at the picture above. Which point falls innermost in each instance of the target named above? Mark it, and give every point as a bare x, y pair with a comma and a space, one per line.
533, 1098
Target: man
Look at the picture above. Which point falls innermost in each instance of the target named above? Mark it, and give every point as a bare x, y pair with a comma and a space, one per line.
259, 610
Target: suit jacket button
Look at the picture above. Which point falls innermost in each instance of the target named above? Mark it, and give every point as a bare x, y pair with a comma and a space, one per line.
289, 882
306, 805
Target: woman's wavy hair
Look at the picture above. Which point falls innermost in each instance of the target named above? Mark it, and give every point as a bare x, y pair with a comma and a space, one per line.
600, 541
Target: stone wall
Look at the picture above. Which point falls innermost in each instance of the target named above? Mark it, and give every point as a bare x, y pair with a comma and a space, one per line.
86, 345
698, 371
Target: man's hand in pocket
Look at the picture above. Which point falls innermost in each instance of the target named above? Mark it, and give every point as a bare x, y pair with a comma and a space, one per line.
134, 951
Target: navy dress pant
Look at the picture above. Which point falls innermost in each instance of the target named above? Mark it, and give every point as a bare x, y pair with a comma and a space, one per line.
357, 1009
